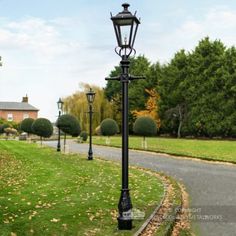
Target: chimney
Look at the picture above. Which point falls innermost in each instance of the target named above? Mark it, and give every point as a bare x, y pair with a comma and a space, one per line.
25, 99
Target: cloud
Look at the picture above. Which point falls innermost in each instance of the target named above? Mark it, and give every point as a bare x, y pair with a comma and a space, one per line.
47, 59
217, 23
40, 37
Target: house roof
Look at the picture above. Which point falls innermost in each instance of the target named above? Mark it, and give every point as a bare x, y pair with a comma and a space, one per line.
18, 106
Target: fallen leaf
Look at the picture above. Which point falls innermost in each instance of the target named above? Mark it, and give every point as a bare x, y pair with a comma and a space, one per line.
55, 220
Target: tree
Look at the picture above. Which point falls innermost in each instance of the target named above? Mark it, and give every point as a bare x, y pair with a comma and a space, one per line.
109, 127
11, 124
172, 88
42, 127
77, 105
145, 126
198, 91
151, 106
26, 125
69, 124
209, 89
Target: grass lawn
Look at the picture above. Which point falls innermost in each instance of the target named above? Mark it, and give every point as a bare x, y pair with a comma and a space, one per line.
46, 193
204, 149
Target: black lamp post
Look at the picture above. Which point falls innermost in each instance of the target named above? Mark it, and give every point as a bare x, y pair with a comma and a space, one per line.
125, 26
90, 97
60, 107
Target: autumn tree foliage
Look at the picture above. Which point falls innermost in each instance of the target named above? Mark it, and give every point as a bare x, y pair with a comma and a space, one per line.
151, 107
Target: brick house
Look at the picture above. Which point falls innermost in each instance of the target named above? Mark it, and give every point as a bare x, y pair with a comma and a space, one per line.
18, 111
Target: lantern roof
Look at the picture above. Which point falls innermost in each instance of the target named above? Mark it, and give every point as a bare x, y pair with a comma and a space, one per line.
125, 15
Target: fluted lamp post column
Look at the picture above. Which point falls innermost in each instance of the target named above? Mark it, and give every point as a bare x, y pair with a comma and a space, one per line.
125, 26
60, 104
90, 97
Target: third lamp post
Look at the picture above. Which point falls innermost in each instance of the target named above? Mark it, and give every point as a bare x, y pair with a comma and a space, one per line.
90, 97
60, 108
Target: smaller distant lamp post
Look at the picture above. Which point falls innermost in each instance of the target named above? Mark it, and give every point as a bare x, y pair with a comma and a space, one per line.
60, 108
90, 97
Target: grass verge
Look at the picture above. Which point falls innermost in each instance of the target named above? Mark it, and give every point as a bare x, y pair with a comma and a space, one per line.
214, 150
47, 193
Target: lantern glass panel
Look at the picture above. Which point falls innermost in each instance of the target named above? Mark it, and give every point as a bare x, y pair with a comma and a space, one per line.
90, 96
125, 35
60, 104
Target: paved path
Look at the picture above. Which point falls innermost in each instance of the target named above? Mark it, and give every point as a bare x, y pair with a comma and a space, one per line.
208, 184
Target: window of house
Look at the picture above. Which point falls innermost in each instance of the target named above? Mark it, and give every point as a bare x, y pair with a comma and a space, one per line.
25, 115
9, 117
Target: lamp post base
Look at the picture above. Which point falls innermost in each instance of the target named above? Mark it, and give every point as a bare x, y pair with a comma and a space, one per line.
124, 224
90, 155
125, 208
58, 146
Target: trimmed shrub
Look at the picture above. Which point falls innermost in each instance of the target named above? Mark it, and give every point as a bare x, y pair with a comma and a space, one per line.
109, 127
26, 125
69, 124
84, 136
145, 126
42, 127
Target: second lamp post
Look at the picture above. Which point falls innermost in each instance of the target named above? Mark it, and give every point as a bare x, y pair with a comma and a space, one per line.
90, 97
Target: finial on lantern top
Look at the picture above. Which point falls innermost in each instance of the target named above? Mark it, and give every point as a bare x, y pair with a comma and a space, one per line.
125, 5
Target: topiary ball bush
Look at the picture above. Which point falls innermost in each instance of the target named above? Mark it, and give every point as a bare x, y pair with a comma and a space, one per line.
69, 124
42, 127
26, 125
84, 136
109, 127
145, 126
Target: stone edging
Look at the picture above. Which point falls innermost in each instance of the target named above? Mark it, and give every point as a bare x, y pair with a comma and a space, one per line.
157, 218
149, 219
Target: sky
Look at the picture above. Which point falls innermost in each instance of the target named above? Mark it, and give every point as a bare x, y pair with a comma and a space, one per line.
50, 47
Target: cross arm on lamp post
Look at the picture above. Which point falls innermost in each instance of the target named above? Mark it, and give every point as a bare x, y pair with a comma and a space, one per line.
119, 78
